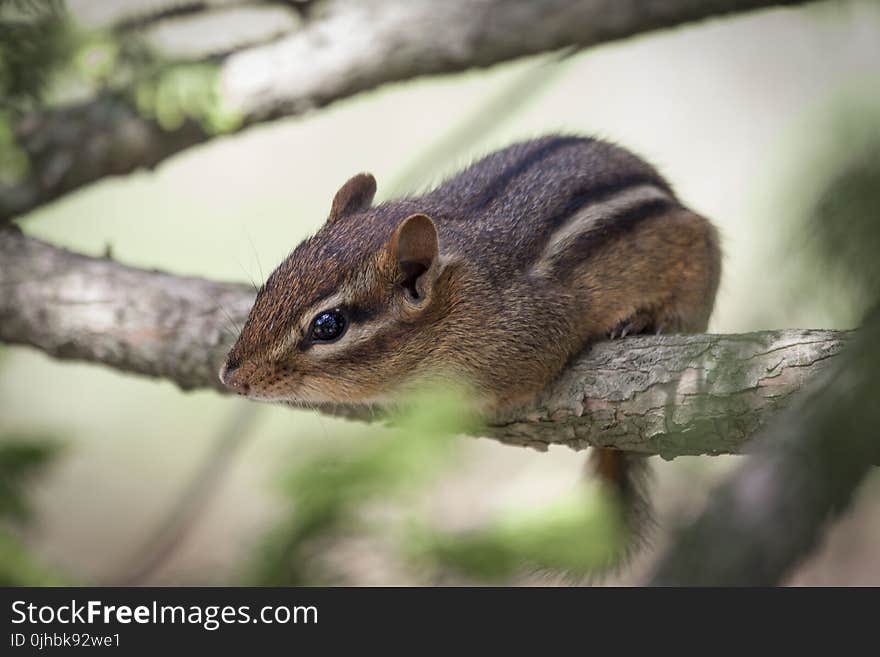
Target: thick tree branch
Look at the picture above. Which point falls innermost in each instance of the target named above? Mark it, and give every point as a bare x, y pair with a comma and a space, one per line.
93, 309
668, 395
807, 463
344, 49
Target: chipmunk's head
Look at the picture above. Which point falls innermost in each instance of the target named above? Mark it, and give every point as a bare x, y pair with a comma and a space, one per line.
339, 319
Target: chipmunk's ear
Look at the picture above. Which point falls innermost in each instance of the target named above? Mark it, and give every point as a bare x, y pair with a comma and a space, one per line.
416, 253
356, 194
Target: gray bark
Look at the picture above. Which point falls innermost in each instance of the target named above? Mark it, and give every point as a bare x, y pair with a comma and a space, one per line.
667, 395
342, 49
807, 463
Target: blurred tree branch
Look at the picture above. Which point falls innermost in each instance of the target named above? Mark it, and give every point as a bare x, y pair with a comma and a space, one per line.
340, 49
668, 395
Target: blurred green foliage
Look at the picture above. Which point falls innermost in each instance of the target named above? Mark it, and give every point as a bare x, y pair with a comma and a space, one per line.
329, 491
46, 59
844, 224
186, 91
14, 163
19, 568
835, 230
578, 536
35, 40
21, 460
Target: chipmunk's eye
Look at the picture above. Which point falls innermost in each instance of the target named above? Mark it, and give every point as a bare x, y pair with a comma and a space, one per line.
328, 326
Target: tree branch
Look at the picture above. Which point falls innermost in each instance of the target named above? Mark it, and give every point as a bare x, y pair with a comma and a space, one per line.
344, 49
668, 395
75, 307
807, 464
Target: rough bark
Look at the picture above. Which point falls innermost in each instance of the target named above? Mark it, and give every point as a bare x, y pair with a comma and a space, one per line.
342, 49
673, 395
667, 395
807, 463
94, 309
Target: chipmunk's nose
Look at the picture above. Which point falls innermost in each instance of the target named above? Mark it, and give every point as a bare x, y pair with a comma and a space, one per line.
231, 380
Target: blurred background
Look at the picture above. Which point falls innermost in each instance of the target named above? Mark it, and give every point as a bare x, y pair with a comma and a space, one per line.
750, 117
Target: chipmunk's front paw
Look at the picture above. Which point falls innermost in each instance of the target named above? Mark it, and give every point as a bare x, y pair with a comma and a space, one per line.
638, 323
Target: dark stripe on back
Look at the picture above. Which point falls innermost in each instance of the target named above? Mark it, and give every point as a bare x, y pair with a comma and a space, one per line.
519, 166
625, 221
600, 194
594, 196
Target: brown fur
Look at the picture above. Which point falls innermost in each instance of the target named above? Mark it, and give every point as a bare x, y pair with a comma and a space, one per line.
497, 278
482, 312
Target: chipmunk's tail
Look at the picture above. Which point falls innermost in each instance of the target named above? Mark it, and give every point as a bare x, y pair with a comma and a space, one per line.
627, 476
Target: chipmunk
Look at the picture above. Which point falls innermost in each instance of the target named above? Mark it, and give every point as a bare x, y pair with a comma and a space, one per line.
499, 277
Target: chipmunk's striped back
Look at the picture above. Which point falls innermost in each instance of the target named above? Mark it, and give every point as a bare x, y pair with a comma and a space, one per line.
532, 195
